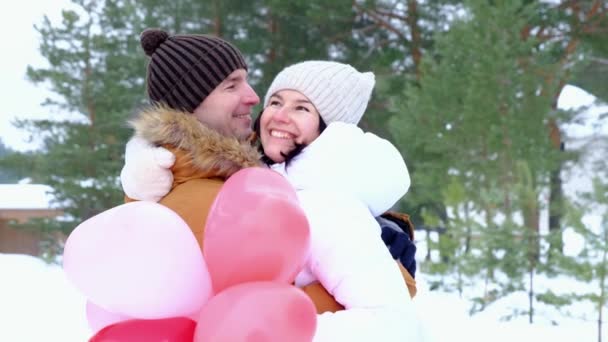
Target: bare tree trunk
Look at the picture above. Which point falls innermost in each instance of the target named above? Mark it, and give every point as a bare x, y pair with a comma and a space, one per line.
467, 217
555, 210
89, 98
273, 28
599, 320
602, 299
532, 223
217, 19
177, 25
531, 297
428, 244
416, 43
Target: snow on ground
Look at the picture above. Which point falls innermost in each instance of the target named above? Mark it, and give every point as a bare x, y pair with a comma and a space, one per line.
446, 318
38, 304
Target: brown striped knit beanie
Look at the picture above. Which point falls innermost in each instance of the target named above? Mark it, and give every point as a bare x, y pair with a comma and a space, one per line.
185, 68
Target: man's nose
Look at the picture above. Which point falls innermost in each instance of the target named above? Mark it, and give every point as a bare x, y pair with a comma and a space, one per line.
251, 98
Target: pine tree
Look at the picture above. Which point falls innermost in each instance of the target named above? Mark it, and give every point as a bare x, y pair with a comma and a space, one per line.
480, 112
6, 175
591, 264
97, 73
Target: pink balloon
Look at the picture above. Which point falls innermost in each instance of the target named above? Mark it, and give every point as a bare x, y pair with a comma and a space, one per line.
139, 259
255, 232
258, 311
262, 180
100, 318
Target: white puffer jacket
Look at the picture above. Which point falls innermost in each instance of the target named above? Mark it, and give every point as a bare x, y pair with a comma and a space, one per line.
344, 179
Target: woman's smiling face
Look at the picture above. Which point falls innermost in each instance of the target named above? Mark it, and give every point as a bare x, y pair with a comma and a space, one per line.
290, 119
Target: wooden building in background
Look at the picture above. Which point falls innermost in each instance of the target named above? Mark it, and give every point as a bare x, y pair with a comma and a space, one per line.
19, 203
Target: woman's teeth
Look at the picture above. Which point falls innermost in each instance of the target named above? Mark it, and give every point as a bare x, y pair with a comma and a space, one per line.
281, 135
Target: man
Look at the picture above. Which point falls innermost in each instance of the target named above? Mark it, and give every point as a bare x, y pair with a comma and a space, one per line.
195, 79
203, 75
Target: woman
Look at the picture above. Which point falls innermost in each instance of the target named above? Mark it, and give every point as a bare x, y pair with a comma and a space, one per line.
308, 133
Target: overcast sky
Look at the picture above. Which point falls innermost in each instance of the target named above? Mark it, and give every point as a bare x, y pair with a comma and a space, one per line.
19, 97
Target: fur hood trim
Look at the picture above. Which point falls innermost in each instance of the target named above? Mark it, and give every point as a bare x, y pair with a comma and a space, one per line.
210, 150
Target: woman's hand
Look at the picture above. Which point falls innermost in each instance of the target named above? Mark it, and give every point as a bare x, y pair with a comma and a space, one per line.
400, 246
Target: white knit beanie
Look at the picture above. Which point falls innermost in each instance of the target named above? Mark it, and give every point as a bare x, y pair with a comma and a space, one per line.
338, 91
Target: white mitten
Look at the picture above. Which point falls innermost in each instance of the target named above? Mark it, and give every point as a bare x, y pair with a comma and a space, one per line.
146, 175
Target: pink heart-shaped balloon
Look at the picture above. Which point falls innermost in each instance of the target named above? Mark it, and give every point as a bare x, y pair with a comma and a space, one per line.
258, 311
255, 231
138, 259
99, 318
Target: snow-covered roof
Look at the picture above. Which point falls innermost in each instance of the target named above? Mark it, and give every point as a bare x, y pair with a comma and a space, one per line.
25, 196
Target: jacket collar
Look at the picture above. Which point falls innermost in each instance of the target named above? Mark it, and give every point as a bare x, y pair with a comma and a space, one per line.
208, 149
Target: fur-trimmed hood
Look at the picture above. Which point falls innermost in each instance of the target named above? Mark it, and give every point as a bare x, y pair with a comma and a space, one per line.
208, 150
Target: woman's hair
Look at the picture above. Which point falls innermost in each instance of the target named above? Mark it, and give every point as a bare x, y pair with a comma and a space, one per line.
289, 156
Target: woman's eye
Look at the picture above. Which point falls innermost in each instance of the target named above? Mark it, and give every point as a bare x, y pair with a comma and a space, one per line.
302, 108
274, 103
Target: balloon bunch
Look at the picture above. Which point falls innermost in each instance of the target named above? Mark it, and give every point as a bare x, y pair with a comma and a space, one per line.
146, 279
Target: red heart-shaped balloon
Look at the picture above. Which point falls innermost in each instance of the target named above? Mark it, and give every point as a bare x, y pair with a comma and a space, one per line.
175, 329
